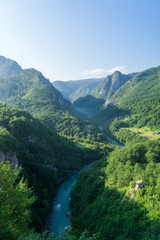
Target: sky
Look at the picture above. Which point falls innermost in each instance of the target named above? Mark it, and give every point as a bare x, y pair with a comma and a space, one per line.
78, 39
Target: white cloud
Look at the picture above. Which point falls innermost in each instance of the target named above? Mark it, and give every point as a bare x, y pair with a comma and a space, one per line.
102, 72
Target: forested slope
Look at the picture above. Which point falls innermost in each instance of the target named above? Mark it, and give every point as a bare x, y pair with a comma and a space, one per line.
46, 157
141, 97
102, 93
118, 198
72, 90
30, 90
135, 105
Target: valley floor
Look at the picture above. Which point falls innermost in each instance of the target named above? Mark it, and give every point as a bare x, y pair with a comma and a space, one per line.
146, 132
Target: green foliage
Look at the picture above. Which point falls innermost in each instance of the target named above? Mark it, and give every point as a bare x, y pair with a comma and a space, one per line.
141, 98
15, 202
93, 102
7, 140
135, 104
73, 90
110, 85
8, 67
34, 236
104, 200
46, 157
88, 105
30, 90
67, 236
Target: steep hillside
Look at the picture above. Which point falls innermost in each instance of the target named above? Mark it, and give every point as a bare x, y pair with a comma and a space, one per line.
30, 90
118, 197
19, 87
46, 157
88, 105
72, 90
110, 85
144, 85
101, 95
136, 104
8, 67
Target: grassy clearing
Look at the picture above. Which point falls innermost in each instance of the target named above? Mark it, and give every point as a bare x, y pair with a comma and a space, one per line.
146, 132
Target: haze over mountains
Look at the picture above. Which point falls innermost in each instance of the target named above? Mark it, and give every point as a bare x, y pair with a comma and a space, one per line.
54, 142
72, 90
30, 90
47, 157
14, 77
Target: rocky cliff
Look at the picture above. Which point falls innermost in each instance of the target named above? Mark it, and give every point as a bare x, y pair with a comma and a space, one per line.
11, 157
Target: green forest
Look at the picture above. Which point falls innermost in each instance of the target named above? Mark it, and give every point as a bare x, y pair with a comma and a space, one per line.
30, 90
46, 158
117, 196
105, 202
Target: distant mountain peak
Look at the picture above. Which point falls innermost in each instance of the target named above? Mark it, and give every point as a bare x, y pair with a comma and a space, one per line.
110, 85
75, 89
8, 67
29, 83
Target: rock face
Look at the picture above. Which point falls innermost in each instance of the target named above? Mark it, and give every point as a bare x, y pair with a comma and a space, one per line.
11, 157
139, 184
110, 85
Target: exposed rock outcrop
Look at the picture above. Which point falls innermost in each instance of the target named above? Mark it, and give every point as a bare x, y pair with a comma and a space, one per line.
11, 157
139, 184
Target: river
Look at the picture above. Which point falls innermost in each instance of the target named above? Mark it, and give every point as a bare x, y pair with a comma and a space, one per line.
59, 217
109, 138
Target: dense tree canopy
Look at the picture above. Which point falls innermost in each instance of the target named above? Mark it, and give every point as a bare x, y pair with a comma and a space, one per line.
104, 199
45, 156
15, 203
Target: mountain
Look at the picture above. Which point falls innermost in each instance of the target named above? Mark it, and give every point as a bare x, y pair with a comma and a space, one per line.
110, 85
8, 67
116, 197
135, 107
145, 84
45, 157
30, 90
140, 96
72, 90
100, 95
19, 86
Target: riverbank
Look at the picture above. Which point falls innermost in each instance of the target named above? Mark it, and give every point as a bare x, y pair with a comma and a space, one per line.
109, 138
59, 218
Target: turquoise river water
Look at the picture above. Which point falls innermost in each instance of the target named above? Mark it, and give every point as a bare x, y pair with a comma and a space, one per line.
59, 217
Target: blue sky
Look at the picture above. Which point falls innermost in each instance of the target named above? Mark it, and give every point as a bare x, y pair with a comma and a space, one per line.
72, 39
